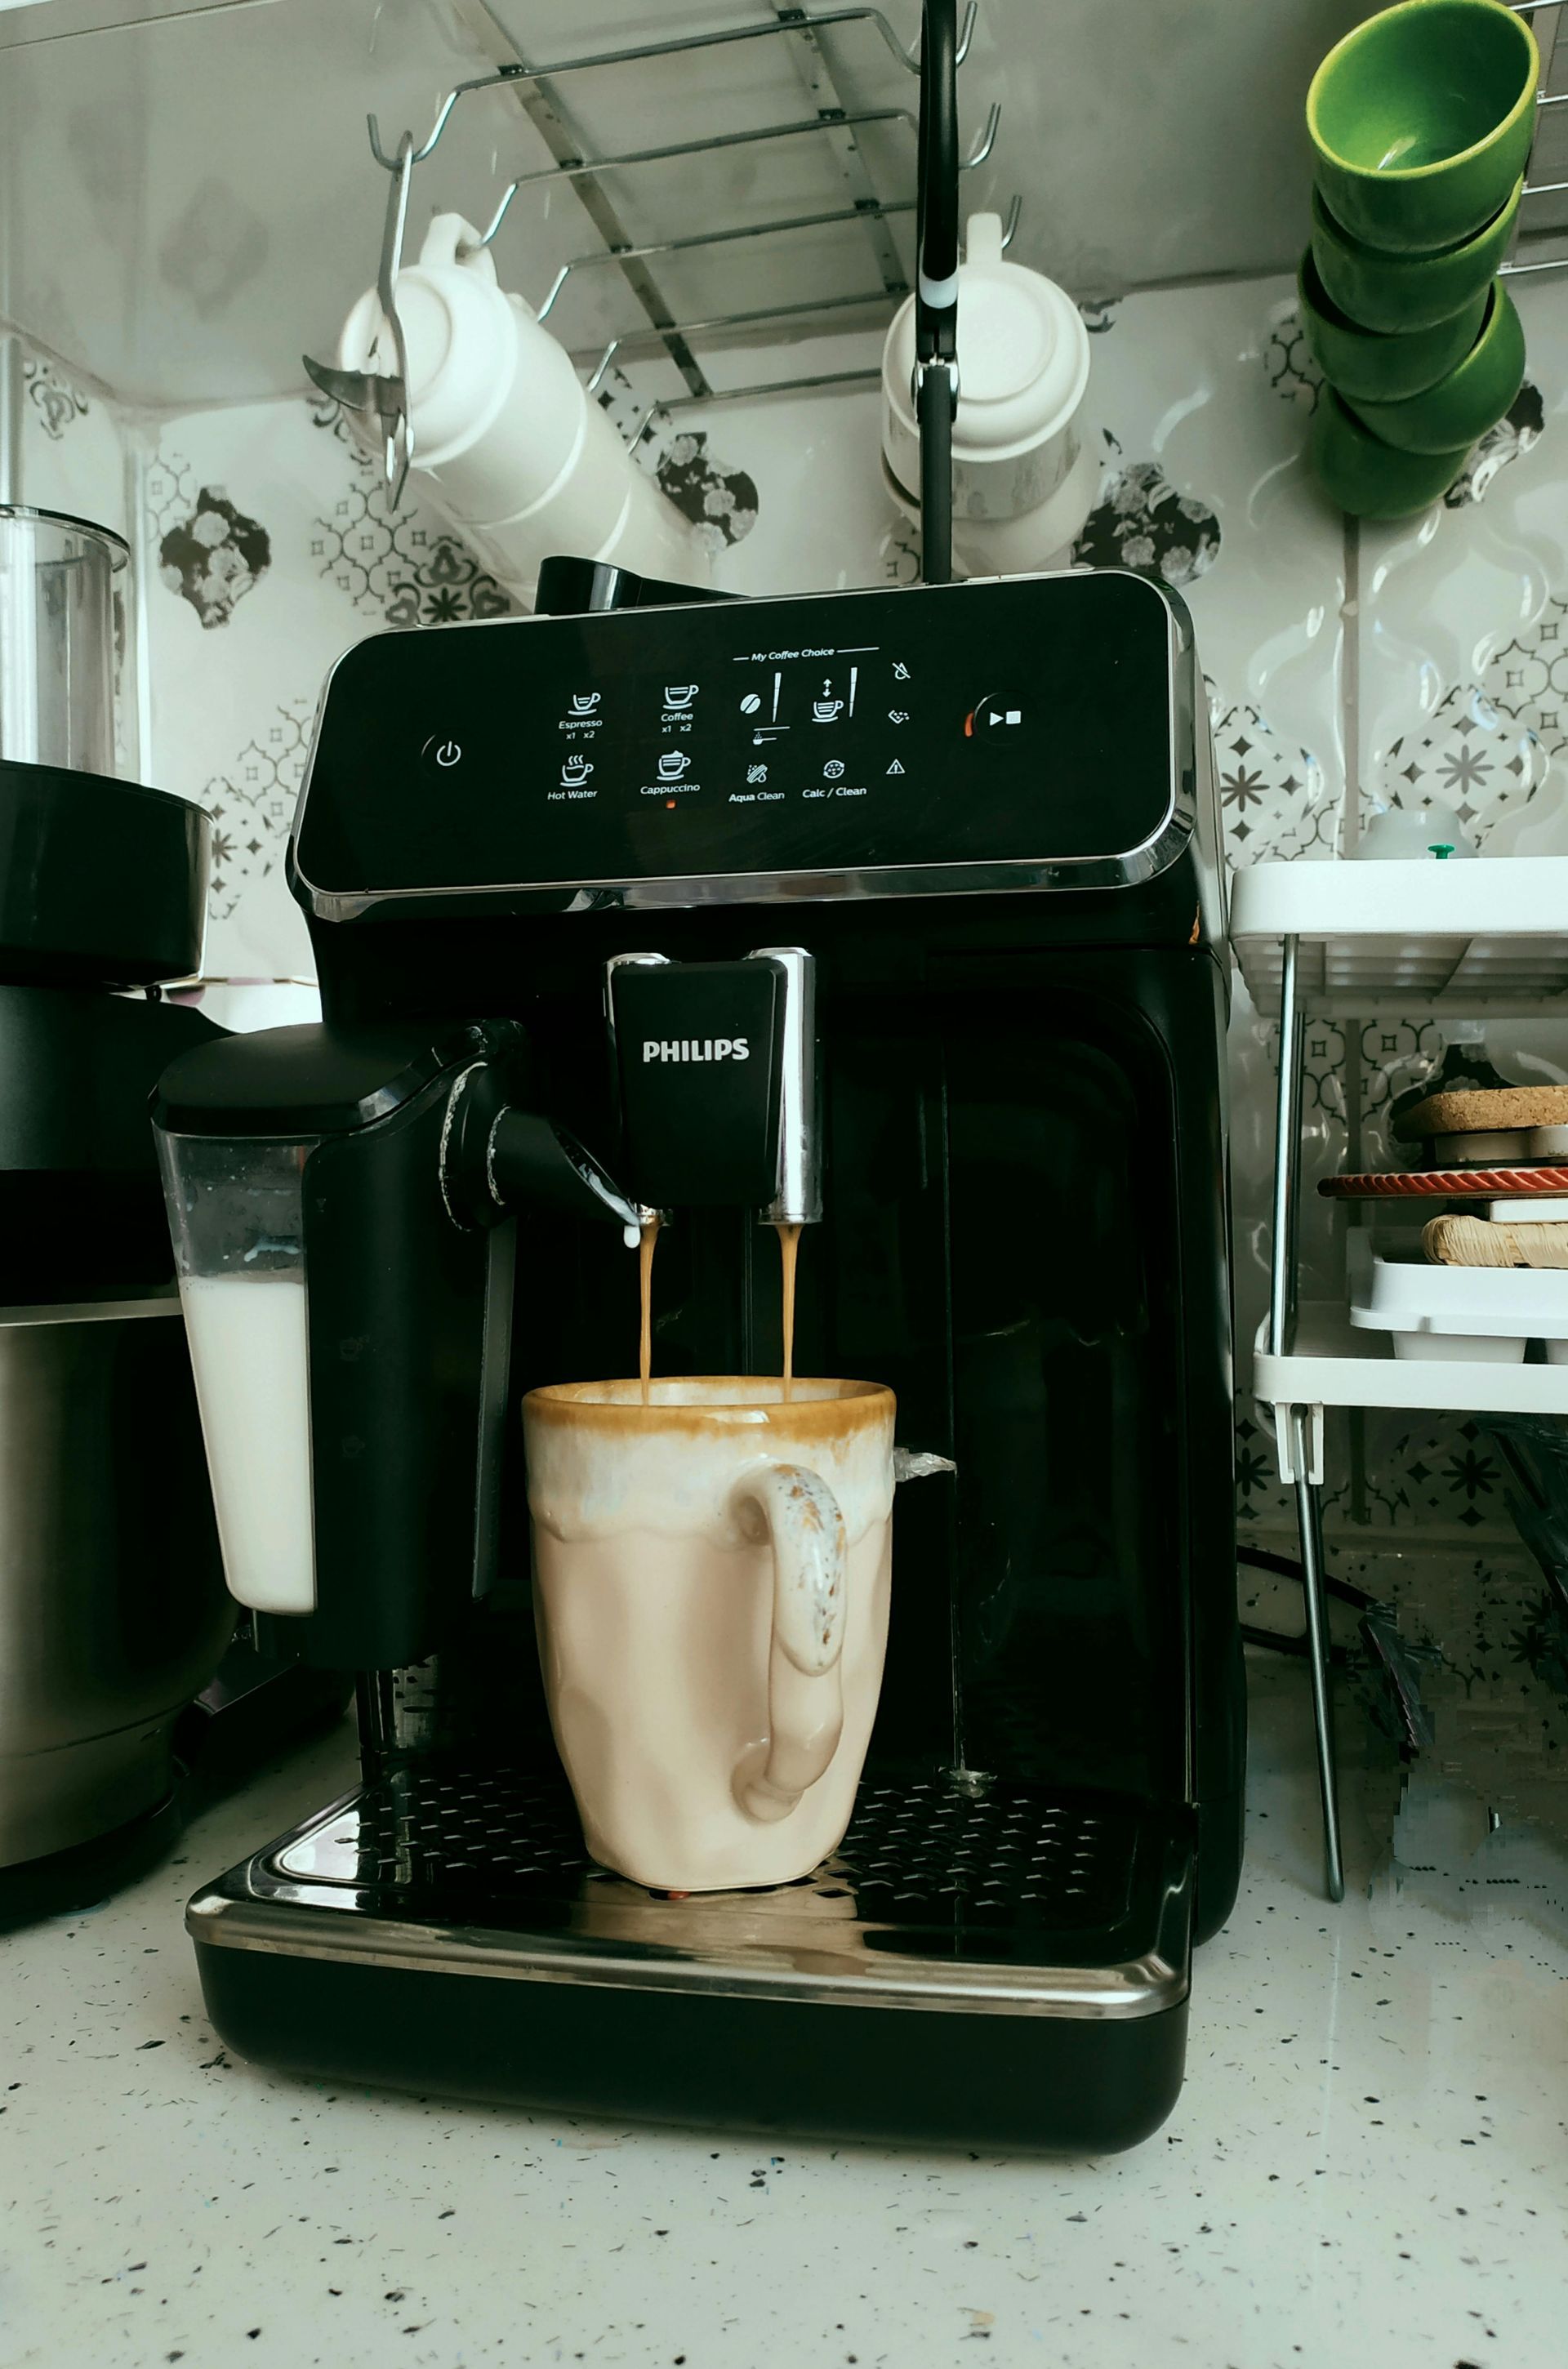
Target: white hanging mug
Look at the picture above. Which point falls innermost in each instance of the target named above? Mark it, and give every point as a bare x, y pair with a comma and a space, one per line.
711, 1577
506, 442
1024, 478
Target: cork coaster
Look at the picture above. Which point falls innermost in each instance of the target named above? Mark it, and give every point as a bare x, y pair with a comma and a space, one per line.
1484, 1110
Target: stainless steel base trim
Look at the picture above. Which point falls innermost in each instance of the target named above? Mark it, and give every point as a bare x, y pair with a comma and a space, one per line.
303, 1927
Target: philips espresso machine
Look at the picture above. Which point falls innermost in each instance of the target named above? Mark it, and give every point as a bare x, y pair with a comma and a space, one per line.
952, 853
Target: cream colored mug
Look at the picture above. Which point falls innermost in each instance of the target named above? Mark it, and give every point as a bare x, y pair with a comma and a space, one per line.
711, 1578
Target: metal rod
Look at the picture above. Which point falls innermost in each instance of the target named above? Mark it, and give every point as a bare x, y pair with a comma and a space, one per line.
983, 149
1286, 1150
714, 238
751, 230
653, 334
795, 21
1309, 1519
1517, 271
12, 400
745, 393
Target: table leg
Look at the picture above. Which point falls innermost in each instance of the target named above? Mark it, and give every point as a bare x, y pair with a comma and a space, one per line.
1309, 1519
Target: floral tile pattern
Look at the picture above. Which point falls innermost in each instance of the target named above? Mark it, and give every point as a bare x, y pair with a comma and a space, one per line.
1142, 521
1275, 800
51, 398
401, 566
252, 807
214, 557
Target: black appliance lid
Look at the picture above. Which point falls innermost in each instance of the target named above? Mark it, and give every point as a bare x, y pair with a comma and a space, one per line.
294, 1082
103, 883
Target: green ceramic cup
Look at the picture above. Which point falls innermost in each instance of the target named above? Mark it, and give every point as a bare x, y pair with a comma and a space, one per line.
1407, 291
1472, 398
1371, 479
1369, 362
1422, 120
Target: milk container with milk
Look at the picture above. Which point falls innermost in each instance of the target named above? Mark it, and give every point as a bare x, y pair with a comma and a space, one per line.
239, 1247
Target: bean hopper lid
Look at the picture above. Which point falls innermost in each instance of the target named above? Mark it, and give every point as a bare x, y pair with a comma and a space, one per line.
102, 883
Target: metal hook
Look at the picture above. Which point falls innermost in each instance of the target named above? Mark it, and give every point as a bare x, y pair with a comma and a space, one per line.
1011, 226
382, 391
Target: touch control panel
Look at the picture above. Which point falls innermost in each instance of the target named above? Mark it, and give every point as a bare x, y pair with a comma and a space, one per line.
1001, 721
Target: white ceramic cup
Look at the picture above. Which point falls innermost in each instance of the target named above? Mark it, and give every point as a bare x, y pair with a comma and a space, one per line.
711, 1576
1023, 481
506, 442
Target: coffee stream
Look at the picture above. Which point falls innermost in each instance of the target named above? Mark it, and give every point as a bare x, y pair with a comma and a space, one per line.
647, 1245
789, 1251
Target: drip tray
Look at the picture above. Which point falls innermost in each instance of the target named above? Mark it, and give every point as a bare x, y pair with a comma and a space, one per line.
444, 1928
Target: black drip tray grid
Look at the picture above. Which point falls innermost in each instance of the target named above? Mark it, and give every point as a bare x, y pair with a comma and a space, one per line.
497, 1844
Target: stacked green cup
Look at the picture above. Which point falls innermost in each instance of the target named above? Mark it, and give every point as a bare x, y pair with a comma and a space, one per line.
1422, 120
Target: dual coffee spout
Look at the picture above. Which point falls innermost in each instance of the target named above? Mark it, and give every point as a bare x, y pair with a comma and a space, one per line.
718, 1070
716, 1064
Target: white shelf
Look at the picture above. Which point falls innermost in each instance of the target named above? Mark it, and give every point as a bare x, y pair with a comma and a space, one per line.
1469, 934
1335, 1365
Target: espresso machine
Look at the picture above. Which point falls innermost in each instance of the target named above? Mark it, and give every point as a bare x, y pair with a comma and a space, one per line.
945, 860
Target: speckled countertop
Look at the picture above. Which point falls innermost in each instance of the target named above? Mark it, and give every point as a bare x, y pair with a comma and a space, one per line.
1367, 2164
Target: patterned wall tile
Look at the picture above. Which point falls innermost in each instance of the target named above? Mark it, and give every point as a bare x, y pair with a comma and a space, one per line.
401, 566
1462, 622
73, 447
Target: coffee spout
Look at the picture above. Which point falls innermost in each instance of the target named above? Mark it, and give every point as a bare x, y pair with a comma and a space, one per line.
718, 1072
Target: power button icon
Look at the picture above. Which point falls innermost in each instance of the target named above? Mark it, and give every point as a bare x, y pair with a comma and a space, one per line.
441, 752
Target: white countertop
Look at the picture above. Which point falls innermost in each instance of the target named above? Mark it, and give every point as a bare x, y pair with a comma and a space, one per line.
1366, 2163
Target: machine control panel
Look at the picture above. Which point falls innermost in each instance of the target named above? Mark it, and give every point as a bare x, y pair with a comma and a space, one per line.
1016, 721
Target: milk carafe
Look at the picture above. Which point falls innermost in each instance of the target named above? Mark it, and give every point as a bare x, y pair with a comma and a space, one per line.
340, 1202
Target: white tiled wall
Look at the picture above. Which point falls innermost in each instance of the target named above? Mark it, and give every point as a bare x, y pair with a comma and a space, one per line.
1344, 668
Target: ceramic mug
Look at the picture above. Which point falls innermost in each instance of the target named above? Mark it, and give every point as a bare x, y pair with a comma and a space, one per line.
507, 441
1379, 365
711, 1578
1421, 118
1408, 292
1024, 478
1369, 478
1474, 396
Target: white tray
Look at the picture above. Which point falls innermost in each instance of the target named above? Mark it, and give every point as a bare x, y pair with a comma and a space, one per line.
1472, 934
1484, 1312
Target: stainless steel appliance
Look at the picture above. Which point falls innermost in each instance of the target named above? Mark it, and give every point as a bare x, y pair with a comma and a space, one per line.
113, 1615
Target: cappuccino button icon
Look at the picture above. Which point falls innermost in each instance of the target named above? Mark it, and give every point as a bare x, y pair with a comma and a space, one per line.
672, 764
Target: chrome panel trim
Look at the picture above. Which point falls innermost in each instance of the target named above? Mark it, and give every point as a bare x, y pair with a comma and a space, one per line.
305, 1896
298, 1921
1128, 869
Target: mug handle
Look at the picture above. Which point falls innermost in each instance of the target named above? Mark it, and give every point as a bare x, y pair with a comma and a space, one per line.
798, 1514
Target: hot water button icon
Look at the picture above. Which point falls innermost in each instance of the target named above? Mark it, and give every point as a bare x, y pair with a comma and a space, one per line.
575, 772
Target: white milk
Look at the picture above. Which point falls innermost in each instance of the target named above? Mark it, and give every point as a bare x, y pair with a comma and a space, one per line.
250, 1355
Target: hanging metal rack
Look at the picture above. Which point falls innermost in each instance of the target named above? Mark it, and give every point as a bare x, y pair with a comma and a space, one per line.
384, 393
836, 119
776, 386
1544, 99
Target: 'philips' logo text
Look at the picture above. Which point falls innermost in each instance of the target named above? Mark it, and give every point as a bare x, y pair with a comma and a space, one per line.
696, 1048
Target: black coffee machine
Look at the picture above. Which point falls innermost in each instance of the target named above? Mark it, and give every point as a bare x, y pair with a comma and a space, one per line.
975, 827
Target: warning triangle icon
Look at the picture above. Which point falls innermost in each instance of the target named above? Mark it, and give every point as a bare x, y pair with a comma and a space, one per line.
895, 767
